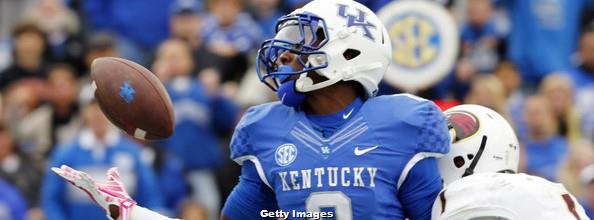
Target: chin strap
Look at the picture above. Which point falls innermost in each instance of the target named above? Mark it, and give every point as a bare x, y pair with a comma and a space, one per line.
470, 170
286, 91
288, 95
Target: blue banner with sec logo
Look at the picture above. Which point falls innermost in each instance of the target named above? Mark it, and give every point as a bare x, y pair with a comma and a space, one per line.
425, 43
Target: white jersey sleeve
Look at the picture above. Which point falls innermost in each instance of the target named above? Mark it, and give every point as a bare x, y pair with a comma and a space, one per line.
141, 213
506, 197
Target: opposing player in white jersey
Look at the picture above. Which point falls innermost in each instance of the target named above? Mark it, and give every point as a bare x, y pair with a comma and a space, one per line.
480, 174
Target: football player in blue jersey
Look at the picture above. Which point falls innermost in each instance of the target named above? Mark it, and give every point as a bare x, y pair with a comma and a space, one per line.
329, 148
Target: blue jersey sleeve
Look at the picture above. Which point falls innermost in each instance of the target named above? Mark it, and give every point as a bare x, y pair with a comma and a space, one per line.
415, 121
432, 130
244, 131
420, 189
249, 196
419, 182
253, 193
240, 144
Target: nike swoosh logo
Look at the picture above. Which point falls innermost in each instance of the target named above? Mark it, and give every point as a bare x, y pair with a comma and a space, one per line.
345, 116
283, 98
360, 152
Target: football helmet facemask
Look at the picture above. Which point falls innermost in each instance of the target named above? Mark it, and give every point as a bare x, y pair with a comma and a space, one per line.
340, 40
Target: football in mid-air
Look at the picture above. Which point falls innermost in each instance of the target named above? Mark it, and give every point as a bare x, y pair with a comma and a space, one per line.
133, 98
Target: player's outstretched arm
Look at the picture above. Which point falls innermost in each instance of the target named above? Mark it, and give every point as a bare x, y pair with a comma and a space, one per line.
249, 197
111, 196
419, 190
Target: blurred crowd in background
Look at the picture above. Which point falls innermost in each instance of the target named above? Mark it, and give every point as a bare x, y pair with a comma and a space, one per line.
530, 60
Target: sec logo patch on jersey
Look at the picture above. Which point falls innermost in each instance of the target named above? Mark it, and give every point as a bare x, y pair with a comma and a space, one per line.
285, 154
424, 43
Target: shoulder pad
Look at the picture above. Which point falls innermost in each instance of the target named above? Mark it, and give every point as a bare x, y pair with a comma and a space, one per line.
421, 115
259, 122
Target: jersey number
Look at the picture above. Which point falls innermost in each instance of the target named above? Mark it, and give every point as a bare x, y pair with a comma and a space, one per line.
333, 199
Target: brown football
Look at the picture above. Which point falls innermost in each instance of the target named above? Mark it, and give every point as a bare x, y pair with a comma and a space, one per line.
133, 98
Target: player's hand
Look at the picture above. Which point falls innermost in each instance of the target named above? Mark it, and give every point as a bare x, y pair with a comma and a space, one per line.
111, 196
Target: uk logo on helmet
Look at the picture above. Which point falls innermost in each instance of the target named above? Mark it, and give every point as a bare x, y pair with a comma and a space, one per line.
358, 20
285, 154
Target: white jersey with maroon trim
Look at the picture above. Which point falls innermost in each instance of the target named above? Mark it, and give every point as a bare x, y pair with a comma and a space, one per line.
490, 196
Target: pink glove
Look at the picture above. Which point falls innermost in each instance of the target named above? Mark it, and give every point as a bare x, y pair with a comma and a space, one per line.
105, 195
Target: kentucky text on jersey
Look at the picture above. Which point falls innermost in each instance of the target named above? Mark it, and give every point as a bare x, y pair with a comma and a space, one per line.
329, 176
369, 167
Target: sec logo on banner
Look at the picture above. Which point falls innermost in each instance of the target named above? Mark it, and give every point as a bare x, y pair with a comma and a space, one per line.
424, 43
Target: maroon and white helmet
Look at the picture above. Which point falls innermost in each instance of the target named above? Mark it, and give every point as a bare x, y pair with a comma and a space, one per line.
482, 142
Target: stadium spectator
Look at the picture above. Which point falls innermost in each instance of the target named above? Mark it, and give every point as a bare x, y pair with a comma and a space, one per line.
266, 12
479, 44
170, 171
458, 83
5, 54
583, 80
507, 73
198, 119
99, 147
61, 27
12, 204
17, 169
185, 22
20, 99
58, 120
29, 47
98, 45
479, 37
374, 5
559, 90
587, 179
549, 29
138, 25
581, 154
488, 91
294, 4
230, 34
251, 85
10, 12
192, 210
544, 148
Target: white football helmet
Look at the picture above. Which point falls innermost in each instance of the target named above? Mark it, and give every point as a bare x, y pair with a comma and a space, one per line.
341, 40
482, 141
